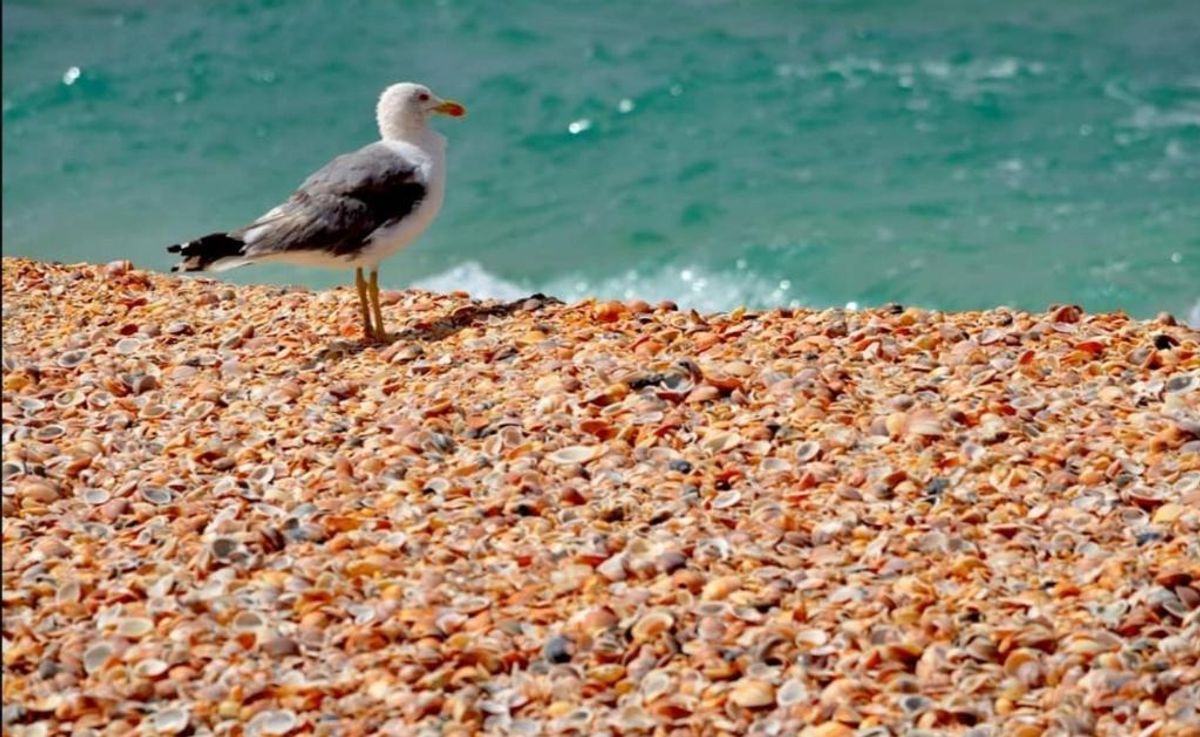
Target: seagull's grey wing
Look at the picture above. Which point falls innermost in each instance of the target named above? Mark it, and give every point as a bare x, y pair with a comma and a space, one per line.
338, 208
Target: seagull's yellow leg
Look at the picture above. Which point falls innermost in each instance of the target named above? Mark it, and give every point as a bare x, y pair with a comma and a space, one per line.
361, 284
380, 333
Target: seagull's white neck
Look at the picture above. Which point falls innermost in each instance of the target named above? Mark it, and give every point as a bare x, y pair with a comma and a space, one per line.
424, 138
411, 127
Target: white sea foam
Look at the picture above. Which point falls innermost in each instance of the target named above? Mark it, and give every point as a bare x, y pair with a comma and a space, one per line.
473, 279
688, 286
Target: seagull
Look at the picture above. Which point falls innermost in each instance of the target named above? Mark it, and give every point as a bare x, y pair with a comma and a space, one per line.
355, 211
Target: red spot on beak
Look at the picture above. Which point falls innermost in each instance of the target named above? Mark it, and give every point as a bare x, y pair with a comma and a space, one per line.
451, 108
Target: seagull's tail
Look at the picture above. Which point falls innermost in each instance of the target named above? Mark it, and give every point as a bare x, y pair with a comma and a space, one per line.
214, 252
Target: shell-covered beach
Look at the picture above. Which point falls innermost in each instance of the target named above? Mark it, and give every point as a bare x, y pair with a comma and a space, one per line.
224, 514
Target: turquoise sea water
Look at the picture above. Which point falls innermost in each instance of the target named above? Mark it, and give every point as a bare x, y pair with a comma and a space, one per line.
948, 154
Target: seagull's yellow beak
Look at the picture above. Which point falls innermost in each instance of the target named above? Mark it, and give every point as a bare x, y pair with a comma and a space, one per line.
451, 108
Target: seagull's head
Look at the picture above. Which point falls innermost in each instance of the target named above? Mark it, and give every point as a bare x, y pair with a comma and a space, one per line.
404, 109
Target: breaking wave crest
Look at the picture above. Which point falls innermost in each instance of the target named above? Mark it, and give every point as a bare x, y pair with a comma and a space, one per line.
688, 286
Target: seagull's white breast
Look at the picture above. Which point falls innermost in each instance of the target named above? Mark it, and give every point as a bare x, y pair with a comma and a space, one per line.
430, 156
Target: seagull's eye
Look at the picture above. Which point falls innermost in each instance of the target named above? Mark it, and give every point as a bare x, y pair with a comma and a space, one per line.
423, 97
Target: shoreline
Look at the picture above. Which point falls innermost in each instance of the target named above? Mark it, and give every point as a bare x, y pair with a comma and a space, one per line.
220, 508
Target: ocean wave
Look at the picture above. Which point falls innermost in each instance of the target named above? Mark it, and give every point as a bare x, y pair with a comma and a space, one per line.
689, 286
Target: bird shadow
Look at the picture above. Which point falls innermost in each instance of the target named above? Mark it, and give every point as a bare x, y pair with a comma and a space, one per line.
433, 330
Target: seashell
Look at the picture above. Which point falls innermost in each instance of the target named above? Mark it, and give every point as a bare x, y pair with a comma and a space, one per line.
68, 592
13, 468
525, 727
991, 335
726, 499
924, 423
982, 649
720, 441
895, 423
71, 359
247, 621
774, 465
1168, 514
99, 400
613, 568
1037, 637
1022, 662
472, 604
511, 436
223, 547
1174, 646
172, 720
652, 624
670, 561
607, 673
720, 588
31, 405
152, 411
812, 638
263, 475
199, 410
1144, 498
127, 346
447, 622
751, 694
903, 652
1028, 403
281, 647
721, 380
1179, 384
68, 398
1188, 596
50, 432
97, 656
711, 629
95, 496
37, 490
808, 451
601, 428
791, 692
1089, 644
231, 341
655, 684
135, 628
156, 495
574, 454
748, 614
150, 668
435, 485
597, 619
275, 722
674, 387
144, 383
